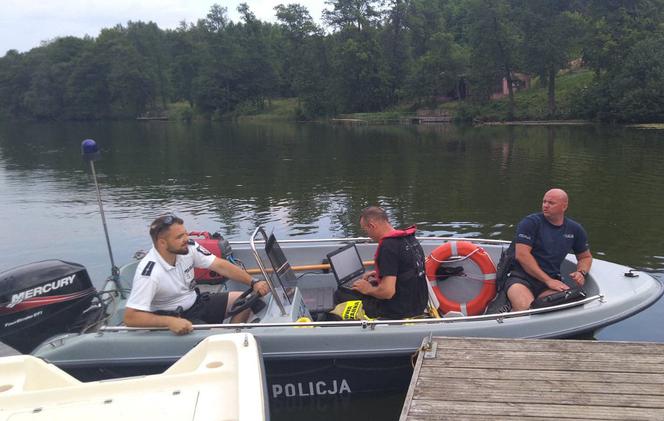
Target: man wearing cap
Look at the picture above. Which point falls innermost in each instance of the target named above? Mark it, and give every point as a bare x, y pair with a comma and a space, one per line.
163, 293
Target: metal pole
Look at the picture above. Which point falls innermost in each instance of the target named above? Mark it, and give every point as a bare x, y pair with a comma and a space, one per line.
90, 152
114, 269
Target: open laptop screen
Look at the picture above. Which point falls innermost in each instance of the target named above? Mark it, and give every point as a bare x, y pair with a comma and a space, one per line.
280, 266
346, 264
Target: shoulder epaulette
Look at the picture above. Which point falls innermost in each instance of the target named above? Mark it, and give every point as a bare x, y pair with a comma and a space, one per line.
147, 270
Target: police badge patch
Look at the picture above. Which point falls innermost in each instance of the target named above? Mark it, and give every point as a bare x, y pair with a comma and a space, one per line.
202, 250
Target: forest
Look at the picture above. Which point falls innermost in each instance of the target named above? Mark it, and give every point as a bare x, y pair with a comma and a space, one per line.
363, 56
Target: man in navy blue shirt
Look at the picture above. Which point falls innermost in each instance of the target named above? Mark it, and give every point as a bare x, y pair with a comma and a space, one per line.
542, 242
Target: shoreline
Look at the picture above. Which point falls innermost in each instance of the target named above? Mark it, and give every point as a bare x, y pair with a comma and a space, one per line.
538, 123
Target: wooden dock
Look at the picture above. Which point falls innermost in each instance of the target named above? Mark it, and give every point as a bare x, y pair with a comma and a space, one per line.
519, 379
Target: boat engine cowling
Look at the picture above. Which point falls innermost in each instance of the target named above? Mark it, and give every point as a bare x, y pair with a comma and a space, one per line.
41, 299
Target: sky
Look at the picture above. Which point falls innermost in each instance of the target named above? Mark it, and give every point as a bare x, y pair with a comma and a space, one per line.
24, 24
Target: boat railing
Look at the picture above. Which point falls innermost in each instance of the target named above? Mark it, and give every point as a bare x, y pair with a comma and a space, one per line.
261, 266
499, 318
366, 240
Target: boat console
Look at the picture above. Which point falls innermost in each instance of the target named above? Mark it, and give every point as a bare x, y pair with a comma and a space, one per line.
307, 300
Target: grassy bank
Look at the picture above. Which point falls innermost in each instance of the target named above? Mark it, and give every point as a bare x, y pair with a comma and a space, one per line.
530, 105
275, 109
284, 109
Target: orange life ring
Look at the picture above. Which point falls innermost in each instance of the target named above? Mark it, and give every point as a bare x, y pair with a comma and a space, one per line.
480, 258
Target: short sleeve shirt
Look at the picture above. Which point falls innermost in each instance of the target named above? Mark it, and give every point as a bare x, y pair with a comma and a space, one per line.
391, 258
550, 243
159, 286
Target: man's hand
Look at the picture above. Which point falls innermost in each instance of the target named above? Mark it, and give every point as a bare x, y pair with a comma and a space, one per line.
578, 278
261, 287
363, 285
556, 285
180, 326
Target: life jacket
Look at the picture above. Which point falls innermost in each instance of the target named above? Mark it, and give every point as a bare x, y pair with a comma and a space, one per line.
394, 234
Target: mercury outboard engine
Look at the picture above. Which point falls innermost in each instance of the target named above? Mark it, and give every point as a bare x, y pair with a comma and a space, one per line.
39, 300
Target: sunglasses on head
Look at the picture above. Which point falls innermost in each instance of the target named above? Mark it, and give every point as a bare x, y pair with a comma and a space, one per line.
162, 223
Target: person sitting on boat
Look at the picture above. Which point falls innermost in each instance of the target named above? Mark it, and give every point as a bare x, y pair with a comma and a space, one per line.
163, 293
542, 241
397, 289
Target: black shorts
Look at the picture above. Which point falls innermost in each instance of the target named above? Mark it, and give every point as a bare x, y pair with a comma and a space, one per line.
208, 308
518, 277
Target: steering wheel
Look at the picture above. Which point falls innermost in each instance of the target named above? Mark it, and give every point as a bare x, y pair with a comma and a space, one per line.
243, 302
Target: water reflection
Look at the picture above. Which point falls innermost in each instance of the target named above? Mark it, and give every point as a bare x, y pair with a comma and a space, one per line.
312, 180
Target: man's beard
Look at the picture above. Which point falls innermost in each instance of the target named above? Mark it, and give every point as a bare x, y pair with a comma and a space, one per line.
182, 251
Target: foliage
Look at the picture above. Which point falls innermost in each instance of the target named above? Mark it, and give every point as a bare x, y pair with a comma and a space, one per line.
531, 104
634, 93
367, 56
181, 111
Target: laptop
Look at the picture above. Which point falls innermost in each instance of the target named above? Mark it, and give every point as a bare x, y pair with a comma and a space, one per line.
346, 264
317, 299
279, 263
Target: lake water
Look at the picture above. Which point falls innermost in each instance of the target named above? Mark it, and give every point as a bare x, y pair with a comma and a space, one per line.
312, 180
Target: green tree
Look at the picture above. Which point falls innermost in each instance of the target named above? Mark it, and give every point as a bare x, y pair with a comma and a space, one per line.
356, 15
550, 33
359, 81
298, 58
613, 27
14, 81
131, 81
494, 42
396, 47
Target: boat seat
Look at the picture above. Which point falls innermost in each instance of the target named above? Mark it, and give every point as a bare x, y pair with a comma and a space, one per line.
318, 299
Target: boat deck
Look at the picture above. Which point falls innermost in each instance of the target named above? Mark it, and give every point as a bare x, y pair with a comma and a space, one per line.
6, 350
472, 378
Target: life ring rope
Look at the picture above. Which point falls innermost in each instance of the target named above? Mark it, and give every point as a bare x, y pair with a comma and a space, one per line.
460, 259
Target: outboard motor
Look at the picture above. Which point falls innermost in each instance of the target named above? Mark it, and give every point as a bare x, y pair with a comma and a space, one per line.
39, 300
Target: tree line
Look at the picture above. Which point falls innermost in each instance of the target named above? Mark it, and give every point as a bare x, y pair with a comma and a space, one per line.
366, 56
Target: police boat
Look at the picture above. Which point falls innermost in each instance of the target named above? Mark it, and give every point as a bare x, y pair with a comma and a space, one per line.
51, 310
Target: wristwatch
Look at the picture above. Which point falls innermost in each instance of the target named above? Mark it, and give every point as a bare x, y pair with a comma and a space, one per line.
583, 273
254, 281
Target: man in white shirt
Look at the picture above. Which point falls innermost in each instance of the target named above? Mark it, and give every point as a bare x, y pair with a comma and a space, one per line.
163, 293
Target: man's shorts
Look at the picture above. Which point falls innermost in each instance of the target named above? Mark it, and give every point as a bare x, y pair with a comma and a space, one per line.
535, 286
208, 308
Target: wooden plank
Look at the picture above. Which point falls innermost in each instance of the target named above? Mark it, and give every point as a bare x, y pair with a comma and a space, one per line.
469, 393
493, 417
443, 384
546, 356
559, 365
411, 389
538, 379
517, 411
512, 374
567, 345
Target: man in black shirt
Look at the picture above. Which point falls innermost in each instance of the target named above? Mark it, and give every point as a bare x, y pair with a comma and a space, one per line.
397, 289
